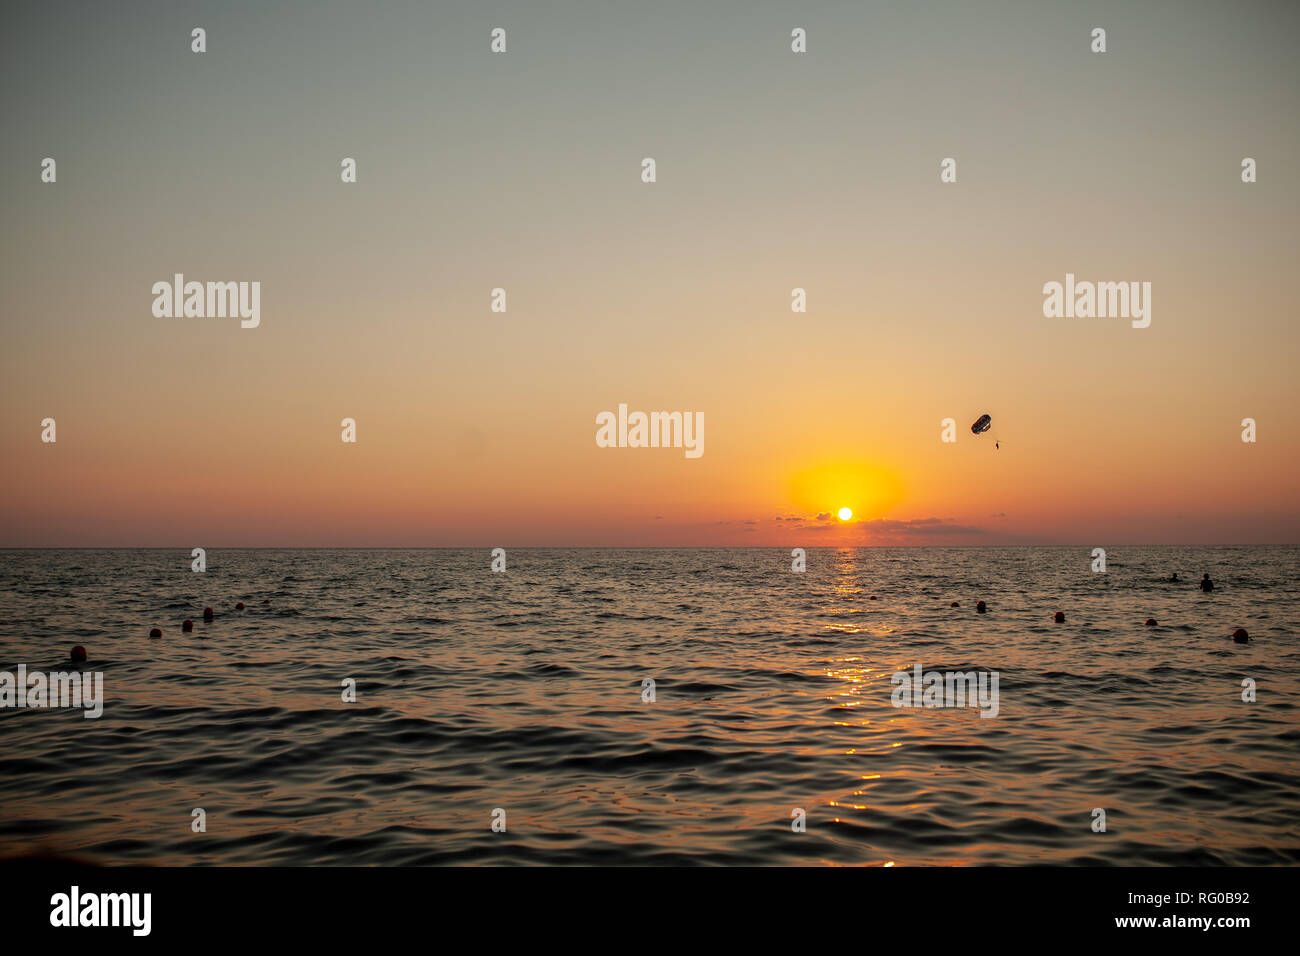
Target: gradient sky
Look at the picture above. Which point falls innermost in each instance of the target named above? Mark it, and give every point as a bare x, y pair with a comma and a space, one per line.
522, 170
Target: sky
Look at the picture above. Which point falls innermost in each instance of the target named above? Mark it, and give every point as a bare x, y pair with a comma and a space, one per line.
522, 171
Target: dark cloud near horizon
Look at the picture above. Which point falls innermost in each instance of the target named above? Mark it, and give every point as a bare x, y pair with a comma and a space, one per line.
893, 527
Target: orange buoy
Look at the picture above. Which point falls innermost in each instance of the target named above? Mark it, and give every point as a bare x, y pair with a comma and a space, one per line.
156, 632
979, 608
1240, 635
1151, 622
187, 625
239, 606
1060, 617
78, 653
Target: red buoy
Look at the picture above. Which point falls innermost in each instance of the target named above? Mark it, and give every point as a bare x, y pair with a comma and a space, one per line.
1240, 635
1060, 617
955, 604
78, 653
207, 614
156, 632
267, 601
979, 608
1151, 622
872, 598
239, 606
187, 625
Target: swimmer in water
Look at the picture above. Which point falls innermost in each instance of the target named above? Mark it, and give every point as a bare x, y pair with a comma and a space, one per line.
1206, 584
1174, 576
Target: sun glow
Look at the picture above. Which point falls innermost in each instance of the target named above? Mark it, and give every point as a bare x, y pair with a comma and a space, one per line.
873, 489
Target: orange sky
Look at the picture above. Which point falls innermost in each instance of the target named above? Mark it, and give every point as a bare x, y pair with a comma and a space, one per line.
775, 172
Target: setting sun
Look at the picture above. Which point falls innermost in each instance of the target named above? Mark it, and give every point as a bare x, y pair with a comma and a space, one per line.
874, 490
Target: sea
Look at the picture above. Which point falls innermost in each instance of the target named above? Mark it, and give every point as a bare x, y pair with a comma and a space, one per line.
645, 707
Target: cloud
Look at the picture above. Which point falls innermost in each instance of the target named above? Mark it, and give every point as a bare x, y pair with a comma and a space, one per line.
881, 527
921, 526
